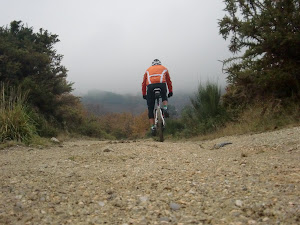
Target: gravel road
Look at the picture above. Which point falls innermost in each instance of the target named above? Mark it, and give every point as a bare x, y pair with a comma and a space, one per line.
253, 180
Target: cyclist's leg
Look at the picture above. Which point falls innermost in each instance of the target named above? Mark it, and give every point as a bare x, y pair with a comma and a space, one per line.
151, 112
164, 99
151, 103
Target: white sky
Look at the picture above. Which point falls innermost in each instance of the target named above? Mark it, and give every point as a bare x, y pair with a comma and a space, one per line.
109, 44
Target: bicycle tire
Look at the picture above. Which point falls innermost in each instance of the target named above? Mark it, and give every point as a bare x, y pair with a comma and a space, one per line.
160, 128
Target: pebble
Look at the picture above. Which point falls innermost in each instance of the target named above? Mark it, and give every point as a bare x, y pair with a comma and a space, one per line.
244, 188
235, 213
55, 140
19, 196
238, 203
143, 199
107, 150
81, 204
164, 219
174, 206
86, 193
266, 219
101, 204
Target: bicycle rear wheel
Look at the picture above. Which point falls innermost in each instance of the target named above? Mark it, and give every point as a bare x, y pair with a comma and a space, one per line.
160, 128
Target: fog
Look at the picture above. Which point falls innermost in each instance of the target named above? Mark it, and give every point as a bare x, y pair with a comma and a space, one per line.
109, 44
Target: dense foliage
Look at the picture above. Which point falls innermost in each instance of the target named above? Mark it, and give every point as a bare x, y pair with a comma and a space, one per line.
266, 32
28, 59
30, 64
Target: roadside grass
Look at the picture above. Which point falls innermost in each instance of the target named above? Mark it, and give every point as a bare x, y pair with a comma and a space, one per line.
15, 119
261, 117
36, 141
8, 144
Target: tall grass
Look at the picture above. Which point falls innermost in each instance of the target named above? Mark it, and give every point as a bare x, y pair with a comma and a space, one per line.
15, 121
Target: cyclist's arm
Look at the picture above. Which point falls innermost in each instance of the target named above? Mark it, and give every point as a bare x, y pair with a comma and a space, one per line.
169, 82
144, 84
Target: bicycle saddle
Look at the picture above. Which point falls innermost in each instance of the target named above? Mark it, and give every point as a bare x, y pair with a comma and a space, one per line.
157, 92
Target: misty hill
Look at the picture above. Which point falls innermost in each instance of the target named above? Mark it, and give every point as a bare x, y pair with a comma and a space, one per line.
102, 102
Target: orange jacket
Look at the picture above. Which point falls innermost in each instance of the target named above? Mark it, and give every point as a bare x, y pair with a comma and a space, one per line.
156, 74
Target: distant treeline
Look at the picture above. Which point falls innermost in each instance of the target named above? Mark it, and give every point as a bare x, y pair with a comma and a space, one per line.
103, 102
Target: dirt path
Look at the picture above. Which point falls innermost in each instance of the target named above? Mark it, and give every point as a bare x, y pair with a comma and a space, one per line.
254, 180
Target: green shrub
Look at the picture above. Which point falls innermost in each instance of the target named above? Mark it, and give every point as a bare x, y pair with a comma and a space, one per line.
205, 114
15, 121
174, 127
91, 127
44, 127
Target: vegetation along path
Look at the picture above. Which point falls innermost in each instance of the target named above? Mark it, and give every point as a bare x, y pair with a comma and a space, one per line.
253, 180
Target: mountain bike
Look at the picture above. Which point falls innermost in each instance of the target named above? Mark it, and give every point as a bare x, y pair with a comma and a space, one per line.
159, 119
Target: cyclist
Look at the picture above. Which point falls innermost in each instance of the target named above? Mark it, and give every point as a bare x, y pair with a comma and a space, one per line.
156, 76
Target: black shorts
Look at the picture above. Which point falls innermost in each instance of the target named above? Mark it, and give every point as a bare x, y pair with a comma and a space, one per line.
151, 96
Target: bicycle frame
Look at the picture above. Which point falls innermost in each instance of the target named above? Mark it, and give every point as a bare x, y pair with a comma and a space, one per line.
158, 113
159, 116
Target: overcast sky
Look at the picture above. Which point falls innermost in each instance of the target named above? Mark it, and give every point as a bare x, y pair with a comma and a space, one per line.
109, 44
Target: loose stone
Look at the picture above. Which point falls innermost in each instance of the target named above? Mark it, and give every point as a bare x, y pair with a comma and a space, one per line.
174, 206
238, 203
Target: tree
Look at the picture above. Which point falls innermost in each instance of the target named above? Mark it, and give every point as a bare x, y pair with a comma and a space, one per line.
267, 34
30, 60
